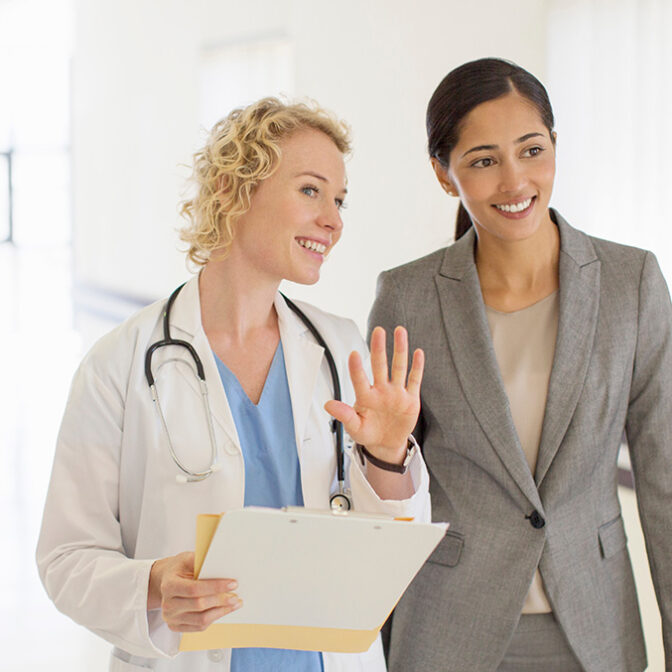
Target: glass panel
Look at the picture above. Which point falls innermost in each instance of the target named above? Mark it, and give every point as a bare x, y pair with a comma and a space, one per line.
4, 197
41, 183
237, 74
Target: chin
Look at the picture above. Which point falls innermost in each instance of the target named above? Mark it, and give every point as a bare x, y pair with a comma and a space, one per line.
304, 279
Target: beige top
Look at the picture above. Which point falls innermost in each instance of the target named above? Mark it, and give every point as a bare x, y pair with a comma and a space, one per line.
524, 343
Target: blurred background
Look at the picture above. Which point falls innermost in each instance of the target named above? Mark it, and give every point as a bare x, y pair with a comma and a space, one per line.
103, 103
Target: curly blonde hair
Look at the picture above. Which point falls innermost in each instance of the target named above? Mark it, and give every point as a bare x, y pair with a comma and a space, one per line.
243, 149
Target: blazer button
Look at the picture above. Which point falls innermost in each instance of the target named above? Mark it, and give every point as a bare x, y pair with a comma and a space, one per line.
536, 520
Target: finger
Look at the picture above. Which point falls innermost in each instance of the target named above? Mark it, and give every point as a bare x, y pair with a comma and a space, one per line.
196, 622
415, 376
194, 588
360, 381
178, 606
399, 357
346, 414
378, 356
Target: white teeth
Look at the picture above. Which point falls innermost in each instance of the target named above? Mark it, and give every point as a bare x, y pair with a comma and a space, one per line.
516, 207
312, 245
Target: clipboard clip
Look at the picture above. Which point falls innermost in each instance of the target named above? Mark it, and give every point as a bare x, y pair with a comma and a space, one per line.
340, 514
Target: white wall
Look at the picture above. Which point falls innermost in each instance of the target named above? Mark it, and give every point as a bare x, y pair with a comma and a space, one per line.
609, 79
375, 63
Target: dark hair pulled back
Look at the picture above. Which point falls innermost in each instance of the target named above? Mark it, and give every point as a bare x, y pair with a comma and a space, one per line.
463, 89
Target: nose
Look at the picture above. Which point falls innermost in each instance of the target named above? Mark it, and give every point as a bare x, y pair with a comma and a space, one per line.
512, 176
330, 219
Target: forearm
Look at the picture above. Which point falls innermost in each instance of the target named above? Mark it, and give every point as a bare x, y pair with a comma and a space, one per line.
386, 469
389, 485
367, 499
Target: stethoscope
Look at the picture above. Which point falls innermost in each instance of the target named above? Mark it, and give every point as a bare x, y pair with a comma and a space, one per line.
339, 501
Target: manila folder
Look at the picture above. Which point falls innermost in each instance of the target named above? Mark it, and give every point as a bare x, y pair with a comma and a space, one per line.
309, 580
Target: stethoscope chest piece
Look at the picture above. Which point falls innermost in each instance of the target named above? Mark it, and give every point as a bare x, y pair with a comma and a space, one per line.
339, 502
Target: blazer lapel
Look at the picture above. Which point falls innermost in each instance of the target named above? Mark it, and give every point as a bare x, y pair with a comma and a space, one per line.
579, 302
468, 334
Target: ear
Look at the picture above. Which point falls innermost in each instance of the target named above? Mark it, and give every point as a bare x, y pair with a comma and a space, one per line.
442, 176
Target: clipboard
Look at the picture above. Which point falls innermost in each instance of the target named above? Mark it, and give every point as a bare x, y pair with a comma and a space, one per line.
309, 580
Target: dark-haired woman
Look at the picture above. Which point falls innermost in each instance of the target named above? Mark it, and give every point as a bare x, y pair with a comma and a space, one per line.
545, 345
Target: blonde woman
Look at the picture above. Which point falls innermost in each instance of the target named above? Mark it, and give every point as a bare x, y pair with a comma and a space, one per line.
128, 480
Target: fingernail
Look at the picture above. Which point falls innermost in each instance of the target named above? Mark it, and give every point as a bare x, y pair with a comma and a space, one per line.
232, 585
234, 603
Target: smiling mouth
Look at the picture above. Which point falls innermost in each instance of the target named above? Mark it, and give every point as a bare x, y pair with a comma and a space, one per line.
516, 207
312, 245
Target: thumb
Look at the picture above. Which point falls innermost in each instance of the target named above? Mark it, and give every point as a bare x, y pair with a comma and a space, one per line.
185, 562
346, 414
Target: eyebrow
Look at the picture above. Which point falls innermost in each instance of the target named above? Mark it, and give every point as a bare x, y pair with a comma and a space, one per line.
521, 139
318, 177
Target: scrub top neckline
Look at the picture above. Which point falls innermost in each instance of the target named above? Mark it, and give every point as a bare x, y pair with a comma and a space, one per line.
237, 388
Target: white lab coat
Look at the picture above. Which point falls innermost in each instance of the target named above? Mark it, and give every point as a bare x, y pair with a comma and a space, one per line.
114, 505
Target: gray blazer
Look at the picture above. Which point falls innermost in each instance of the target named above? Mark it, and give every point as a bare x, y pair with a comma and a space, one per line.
612, 372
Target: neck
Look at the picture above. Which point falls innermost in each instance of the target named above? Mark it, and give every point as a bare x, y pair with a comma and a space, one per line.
235, 301
521, 265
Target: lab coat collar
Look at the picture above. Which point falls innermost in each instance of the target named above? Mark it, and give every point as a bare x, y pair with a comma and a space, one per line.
303, 358
186, 311
185, 323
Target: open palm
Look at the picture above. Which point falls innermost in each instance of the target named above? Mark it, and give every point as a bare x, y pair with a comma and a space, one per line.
385, 412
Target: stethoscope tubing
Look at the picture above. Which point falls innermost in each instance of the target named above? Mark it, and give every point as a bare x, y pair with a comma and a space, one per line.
339, 500
336, 425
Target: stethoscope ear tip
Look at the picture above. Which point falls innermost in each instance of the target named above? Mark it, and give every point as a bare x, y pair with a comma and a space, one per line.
181, 478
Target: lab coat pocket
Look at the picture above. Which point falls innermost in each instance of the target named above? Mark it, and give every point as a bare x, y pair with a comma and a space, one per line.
449, 550
120, 661
612, 537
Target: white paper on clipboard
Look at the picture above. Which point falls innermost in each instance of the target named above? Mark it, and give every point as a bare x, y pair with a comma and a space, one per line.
309, 580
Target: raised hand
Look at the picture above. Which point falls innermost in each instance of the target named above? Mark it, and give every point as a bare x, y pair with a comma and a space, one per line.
385, 412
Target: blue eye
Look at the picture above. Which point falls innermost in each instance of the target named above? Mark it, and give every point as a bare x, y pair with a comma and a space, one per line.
310, 190
340, 204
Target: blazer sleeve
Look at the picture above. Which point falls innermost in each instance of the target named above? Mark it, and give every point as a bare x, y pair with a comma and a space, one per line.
649, 434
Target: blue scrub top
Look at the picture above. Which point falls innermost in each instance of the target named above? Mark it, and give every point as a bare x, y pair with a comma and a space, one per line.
272, 478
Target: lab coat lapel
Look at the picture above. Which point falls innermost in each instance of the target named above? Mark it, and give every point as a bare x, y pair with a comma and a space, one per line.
579, 302
186, 324
303, 358
468, 334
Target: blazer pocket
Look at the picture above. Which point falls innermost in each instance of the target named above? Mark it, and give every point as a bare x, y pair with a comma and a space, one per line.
612, 537
449, 550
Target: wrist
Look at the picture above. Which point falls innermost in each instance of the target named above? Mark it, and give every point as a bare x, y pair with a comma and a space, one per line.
154, 588
399, 466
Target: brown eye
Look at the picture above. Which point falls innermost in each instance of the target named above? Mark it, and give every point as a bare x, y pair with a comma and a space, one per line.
483, 163
534, 151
